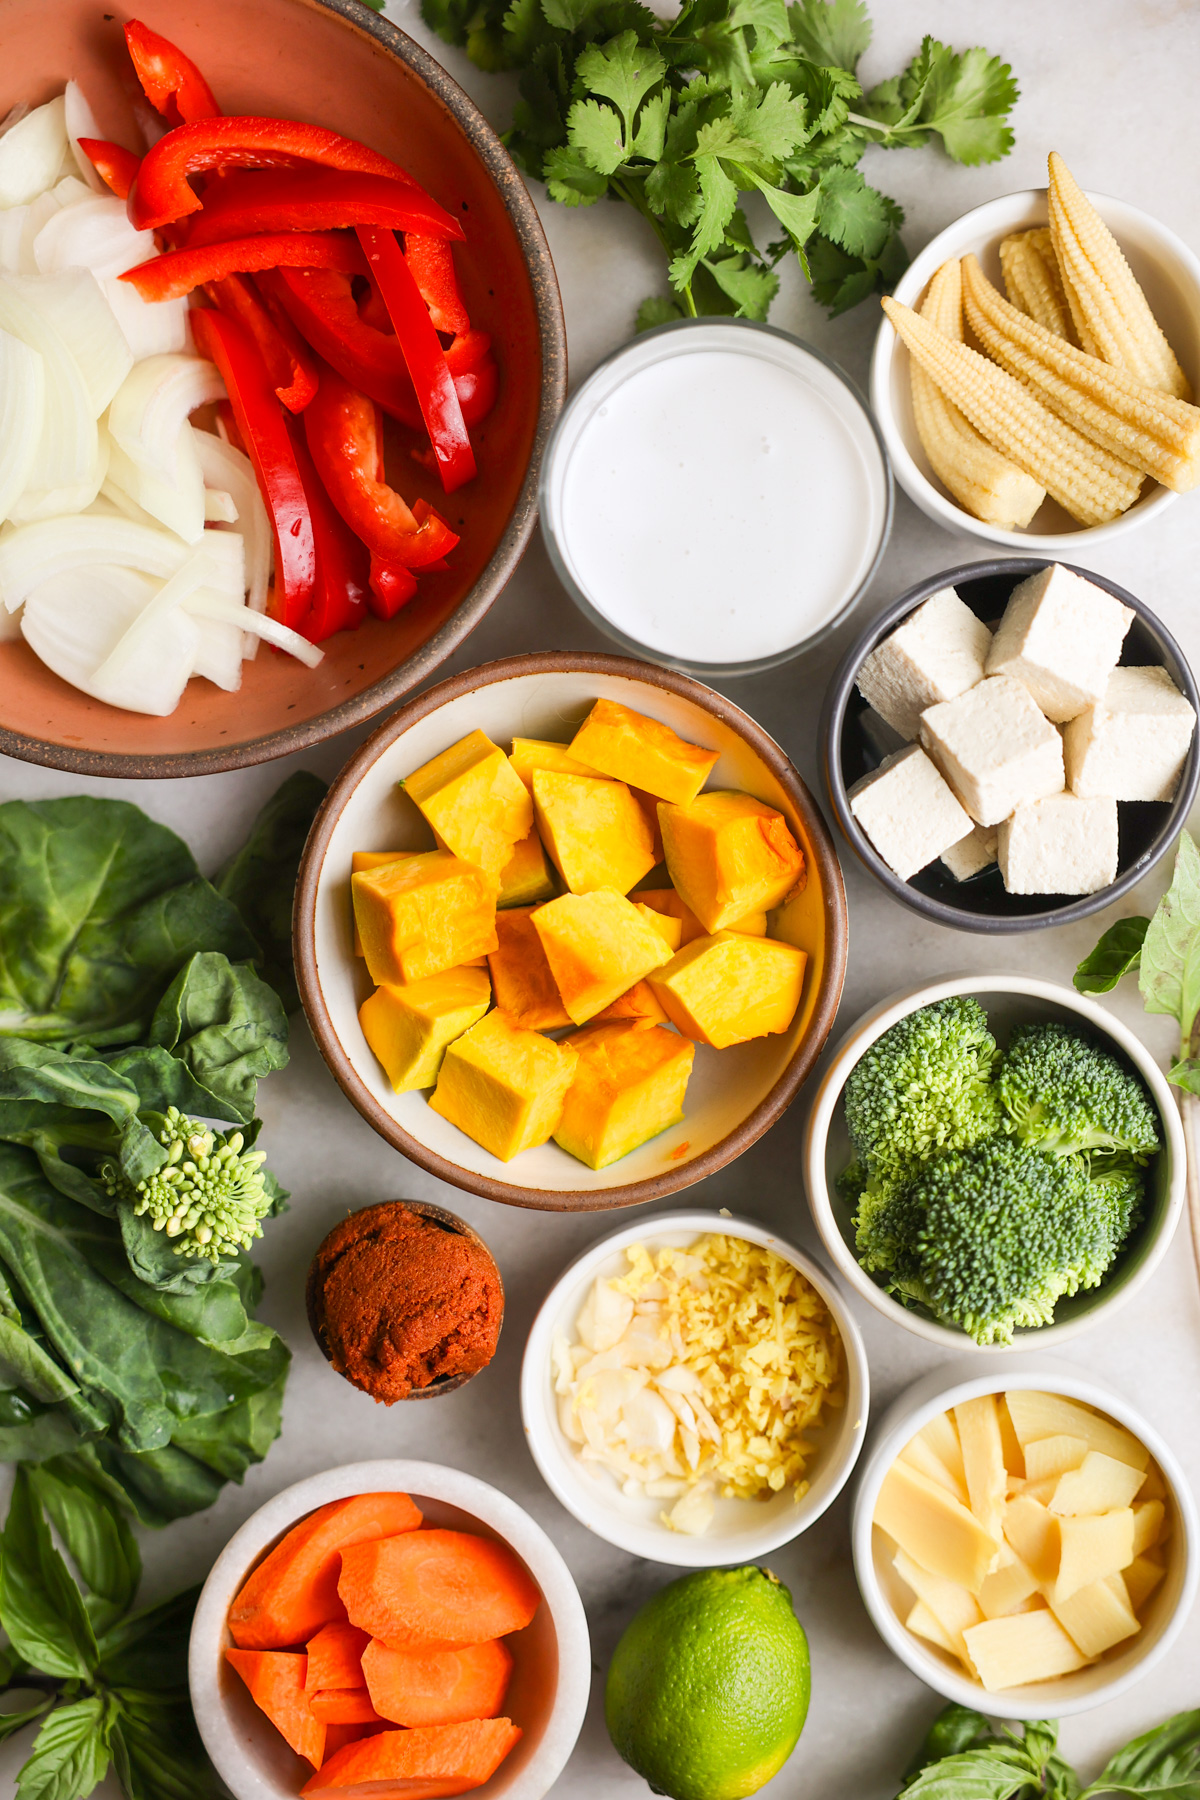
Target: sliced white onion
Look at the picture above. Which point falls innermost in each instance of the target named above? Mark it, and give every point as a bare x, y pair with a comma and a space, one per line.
70, 190
178, 504
282, 636
151, 327
95, 234
22, 397
79, 312
77, 618
219, 508
230, 469
66, 454
148, 669
38, 214
31, 153
154, 402
81, 122
222, 643
12, 225
32, 554
113, 502
74, 497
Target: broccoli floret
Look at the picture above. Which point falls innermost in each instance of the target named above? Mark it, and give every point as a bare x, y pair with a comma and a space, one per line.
1065, 1093
209, 1194
923, 1087
1006, 1233
1117, 1189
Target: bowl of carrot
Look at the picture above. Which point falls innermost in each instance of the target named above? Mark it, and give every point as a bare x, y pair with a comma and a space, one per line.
394, 1628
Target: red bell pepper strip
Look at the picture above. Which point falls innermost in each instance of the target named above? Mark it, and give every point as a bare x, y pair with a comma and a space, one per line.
161, 193
250, 200
426, 360
170, 80
341, 594
262, 424
290, 363
392, 586
344, 432
372, 311
115, 165
176, 273
432, 263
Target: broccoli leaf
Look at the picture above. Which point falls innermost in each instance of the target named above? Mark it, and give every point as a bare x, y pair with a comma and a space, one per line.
1170, 962
1119, 951
834, 33
261, 881
228, 1027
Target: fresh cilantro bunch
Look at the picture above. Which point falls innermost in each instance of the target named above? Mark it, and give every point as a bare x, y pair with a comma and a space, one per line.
964, 1758
732, 98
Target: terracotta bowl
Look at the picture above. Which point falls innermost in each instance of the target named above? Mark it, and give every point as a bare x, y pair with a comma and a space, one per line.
734, 1095
335, 63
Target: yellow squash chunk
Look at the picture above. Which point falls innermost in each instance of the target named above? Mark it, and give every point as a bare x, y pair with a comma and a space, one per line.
667, 901
1147, 1525
951, 1605
630, 747
649, 809
629, 1085
932, 1527
983, 1460
669, 929
1047, 1457
638, 1003
1100, 1484
597, 946
922, 1622
1038, 1415
525, 879
409, 1028
918, 1455
729, 988
1009, 1589
504, 1086
1024, 1647
528, 754
594, 829
1141, 1578
521, 978
475, 802
1099, 1616
370, 859
1035, 1535
421, 915
1091, 1549
728, 855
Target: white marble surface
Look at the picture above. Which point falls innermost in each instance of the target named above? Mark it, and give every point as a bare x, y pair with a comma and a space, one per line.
1110, 83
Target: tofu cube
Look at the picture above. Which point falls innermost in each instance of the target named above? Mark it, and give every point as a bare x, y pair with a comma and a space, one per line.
1063, 845
936, 654
908, 811
995, 748
971, 855
1060, 637
1134, 742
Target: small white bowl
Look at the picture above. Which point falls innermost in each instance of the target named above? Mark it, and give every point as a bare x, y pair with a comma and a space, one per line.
547, 1695
742, 1530
1008, 1000
883, 1592
1169, 274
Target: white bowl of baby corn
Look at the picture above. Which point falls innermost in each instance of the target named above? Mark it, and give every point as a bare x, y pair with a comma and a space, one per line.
1169, 275
937, 1486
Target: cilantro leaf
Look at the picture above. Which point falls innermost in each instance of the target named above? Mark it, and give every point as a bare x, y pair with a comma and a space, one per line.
570, 180
657, 310
855, 216
797, 213
965, 99
833, 33
595, 132
622, 71
718, 200
750, 287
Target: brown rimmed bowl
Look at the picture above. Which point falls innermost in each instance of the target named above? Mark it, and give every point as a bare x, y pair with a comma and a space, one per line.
334, 63
451, 1224
734, 1096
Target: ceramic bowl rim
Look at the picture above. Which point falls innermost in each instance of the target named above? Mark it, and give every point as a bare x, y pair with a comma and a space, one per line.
832, 725
902, 1420
679, 1551
400, 680
852, 1046
796, 1071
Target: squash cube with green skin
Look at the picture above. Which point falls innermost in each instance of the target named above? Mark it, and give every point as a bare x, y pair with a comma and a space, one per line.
629, 1085
422, 914
627, 745
503, 1085
525, 879
474, 800
598, 945
729, 988
729, 854
528, 754
595, 831
409, 1028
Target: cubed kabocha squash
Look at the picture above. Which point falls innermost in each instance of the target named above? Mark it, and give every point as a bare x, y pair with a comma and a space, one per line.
668, 902
728, 855
669, 928
409, 1028
524, 987
422, 914
630, 747
526, 878
649, 806
369, 859
636, 1003
503, 1085
474, 800
594, 830
597, 945
628, 1086
728, 988
528, 754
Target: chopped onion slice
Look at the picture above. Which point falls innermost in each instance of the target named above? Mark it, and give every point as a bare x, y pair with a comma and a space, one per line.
151, 327
31, 153
178, 504
74, 497
282, 636
75, 306
222, 643
81, 122
22, 395
31, 554
74, 620
95, 234
231, 469
154, 401
66, 450
148, 669
219, 508
70, 190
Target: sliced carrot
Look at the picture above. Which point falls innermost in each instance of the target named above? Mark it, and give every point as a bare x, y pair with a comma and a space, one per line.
436, 1590
293, 1591
437, 1687
435, 1761
276, 1682
344, 1706
338, 1736
335, 1657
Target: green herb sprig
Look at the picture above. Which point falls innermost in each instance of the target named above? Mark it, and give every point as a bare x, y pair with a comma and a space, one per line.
685, 119
963, 1757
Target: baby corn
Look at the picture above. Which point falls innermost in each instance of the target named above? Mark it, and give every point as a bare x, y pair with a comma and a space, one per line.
1152, 430
1033, 282
978, 476
1089, 483
1111, 312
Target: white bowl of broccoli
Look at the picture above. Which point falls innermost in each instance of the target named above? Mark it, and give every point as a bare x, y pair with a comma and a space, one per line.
993, 1160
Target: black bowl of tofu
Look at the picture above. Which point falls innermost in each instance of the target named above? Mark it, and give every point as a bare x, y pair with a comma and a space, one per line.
1012, 744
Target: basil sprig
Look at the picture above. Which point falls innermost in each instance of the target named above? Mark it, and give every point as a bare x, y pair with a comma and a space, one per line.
964, 1757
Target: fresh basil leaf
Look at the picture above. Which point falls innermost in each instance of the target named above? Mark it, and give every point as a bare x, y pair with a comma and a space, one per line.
956, 1728
12, 1722
149, 1650
1170, 964
70, 1753
1119, 951
41, 1609
1062, 1783
992, 1772
227, 1027
261, 879
1185, 1074
1162, 1762
98, 1540
1040, 1739
157, 1750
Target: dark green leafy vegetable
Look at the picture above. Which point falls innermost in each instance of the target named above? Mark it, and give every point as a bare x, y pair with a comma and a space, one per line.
963, 1757
261, 878
1118, 952
730, 99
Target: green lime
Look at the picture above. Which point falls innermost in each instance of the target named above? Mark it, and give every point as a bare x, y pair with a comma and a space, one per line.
708, 1688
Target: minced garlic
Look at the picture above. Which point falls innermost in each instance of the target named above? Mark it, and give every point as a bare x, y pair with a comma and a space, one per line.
697, 1372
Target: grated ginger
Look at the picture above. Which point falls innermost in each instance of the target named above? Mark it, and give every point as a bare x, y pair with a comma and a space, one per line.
698, 1372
